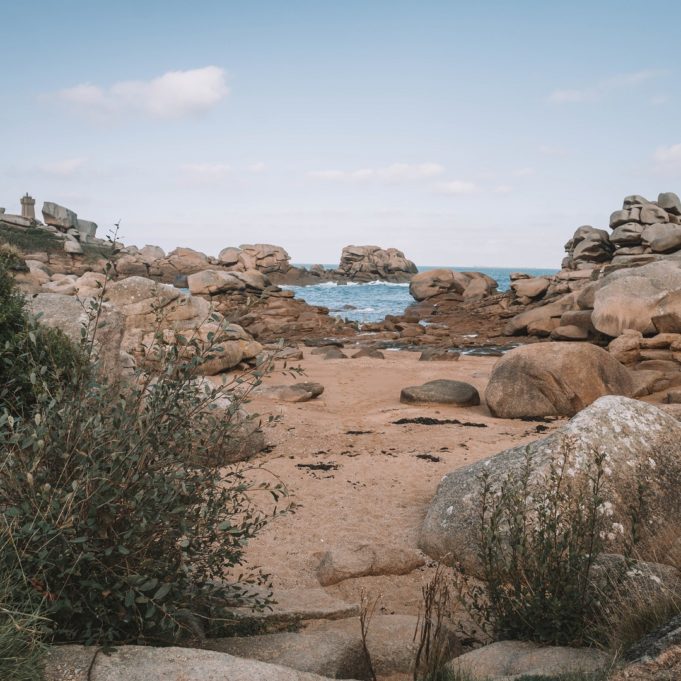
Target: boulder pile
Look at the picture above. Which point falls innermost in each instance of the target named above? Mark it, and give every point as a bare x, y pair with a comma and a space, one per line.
457, 286
641, 228
60, 221
371, 263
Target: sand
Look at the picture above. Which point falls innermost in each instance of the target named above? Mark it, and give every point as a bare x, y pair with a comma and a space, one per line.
381, 488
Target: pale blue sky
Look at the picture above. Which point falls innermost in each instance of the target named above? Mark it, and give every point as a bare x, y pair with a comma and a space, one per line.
463, 133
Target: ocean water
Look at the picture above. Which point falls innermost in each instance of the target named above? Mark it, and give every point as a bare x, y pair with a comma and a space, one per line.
373, 301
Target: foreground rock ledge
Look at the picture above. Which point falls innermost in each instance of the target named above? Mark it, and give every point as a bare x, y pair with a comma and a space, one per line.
520, 659
640, 441
141, 663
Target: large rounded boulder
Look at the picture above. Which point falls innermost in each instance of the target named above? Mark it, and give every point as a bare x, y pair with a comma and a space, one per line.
629, 298
641, 443
554, 379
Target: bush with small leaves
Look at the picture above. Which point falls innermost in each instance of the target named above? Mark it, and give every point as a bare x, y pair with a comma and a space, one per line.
119, 503
26, 347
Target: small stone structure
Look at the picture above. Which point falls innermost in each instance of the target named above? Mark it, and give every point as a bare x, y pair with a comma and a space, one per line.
28, 207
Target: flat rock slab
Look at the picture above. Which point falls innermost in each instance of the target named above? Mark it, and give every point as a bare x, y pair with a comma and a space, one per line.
334, 654
144, 663
297, 605
296, 392
390, 641
442, 391
341, 563
511, 660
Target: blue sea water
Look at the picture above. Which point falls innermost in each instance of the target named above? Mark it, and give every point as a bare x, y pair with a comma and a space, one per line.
373, 301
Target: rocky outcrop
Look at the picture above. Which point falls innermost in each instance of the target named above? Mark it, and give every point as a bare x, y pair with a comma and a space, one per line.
371, 263
145, 663
516, 659
335, 648
641, 230
149, 306
264, 258
65, 220
640, 442
433, 283
58, 216
71, 316
553, 379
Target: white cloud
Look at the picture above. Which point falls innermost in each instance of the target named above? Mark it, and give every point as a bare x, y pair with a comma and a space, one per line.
503, 189
457, 188
603, 87
258, 167
64, 168
397, 172
175, 94
668, 156
523, 172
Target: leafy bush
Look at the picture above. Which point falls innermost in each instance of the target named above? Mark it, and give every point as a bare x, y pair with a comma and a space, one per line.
26, 346
539, 536
113, 495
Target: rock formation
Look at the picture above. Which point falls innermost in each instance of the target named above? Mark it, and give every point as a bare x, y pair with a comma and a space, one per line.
372, 263
639, 439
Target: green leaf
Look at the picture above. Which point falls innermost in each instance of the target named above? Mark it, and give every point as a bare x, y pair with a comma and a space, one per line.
163, 591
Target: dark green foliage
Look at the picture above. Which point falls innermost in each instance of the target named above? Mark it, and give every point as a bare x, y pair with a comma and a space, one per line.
27, 347
539, 536
112, 494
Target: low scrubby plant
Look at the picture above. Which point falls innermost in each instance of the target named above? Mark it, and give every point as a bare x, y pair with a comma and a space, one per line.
119, 501
539, 536
433, 632
26, 347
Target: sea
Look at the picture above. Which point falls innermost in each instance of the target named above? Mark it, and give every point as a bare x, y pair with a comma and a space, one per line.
373, 301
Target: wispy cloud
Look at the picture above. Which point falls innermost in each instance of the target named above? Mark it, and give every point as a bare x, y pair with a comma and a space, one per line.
457, 188
503, 189
63, 168
397, 172
523, 172
668, 157
175, 94
258, 167
603, 88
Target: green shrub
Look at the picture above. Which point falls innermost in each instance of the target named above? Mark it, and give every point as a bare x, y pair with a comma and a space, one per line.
115, 498
539, 536
27, 347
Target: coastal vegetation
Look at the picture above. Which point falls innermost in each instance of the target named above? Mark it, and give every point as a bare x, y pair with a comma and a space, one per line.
120, 516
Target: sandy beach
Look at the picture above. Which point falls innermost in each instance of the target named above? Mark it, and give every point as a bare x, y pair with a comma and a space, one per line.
382, 475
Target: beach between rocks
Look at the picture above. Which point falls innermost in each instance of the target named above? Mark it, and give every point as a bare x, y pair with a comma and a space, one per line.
381, 476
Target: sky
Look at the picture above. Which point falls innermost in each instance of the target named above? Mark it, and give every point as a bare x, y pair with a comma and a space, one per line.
463, 133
